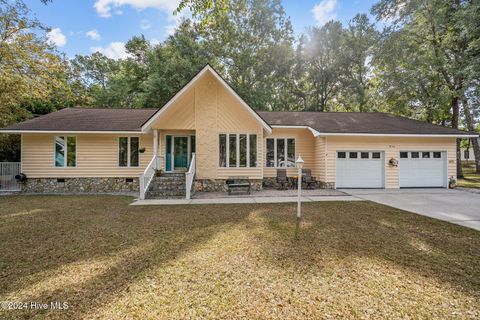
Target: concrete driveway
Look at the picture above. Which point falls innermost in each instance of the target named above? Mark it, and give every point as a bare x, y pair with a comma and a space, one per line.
460, 207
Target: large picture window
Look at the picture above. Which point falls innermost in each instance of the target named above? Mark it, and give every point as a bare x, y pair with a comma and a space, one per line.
237, 150
280, 152
128, 154
65, 151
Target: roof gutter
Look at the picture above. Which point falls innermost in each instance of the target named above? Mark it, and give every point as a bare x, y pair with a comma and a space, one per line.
316, 133
313, 131
68, 132
417, 135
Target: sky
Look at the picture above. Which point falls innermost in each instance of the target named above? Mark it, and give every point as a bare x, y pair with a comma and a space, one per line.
86, 26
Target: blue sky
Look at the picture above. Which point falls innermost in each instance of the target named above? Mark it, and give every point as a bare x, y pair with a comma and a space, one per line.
82, 27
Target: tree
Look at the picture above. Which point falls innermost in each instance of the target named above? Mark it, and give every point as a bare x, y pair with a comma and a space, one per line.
30, 69
173, 63
326, 61
254, 43
435, 26
361, 37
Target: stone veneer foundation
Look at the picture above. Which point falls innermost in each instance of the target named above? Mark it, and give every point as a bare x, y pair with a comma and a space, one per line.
219, 185
271, 183
80, 185
120, 185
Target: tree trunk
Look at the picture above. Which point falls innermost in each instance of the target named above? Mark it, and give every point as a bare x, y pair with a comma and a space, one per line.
455, 114
471, 127
476, 153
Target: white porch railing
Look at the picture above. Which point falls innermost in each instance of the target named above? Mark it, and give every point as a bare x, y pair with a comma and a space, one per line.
189, 176
8, 171
147, 176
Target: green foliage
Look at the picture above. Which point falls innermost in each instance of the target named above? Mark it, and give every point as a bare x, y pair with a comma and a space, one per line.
254, 44
173, 63
30, 70
424, 64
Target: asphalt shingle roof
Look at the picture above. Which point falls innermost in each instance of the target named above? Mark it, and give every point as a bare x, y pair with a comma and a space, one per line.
356, 122
90, 119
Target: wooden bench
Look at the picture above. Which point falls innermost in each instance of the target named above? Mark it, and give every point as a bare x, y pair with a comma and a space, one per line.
238, 182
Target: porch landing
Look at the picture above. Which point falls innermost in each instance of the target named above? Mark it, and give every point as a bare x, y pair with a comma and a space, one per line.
264, 196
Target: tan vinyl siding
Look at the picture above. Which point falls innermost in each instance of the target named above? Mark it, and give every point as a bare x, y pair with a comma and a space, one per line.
97, 156
319, 170
212, 110
304, 145
392, 147
181, 116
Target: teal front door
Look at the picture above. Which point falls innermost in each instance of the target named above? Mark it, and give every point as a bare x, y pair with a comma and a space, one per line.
180, 153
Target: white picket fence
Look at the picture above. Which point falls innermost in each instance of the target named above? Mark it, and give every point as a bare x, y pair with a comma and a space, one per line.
8, 171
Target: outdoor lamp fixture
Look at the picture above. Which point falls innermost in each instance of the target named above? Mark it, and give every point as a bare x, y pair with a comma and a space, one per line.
299, 164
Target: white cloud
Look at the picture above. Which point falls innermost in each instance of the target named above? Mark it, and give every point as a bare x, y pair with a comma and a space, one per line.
145, 24
56, 37
324, 11
115, 50
104, 7
94, 35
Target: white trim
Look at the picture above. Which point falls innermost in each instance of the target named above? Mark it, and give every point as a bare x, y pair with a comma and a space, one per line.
155, 142
208, 68
399, 135
313, 131
128, 152
237, 144
65, 151
275, 155
326, 159
21, 153
317, 133
58, 132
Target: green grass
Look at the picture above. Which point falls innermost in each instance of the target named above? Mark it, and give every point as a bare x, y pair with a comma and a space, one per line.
470, 180
108, 260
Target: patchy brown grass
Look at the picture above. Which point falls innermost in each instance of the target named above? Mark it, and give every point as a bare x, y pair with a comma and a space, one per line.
109, 260
471, 179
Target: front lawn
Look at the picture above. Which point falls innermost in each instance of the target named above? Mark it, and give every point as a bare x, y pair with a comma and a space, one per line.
470, 180
108, 260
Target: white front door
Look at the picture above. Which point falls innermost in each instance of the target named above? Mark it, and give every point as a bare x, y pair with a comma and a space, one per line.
422, 169
360, 169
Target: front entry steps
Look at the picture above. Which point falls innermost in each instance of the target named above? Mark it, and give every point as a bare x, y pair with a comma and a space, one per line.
167, 186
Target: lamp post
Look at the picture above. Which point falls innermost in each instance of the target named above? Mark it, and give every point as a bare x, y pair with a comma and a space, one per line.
299, 164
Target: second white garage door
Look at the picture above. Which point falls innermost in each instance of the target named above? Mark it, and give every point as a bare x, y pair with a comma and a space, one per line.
422, 169
360, 169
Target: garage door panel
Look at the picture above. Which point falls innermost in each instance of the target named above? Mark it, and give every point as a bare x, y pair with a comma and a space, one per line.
360, 172
416, 172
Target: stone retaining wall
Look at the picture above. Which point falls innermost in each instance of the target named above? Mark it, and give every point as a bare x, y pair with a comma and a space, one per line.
80, 185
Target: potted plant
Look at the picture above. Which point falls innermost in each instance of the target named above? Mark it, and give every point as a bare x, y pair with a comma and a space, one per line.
142, 150
452, 183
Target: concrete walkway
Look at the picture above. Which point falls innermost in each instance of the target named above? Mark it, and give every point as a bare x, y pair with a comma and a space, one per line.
237, 200
455, 206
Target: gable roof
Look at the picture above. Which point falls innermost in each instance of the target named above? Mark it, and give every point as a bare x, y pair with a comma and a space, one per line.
359, 123
86, 120
194, 80
71, 120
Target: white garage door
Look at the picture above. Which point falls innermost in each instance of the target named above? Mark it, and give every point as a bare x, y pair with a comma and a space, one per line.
422, 169
360, 169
